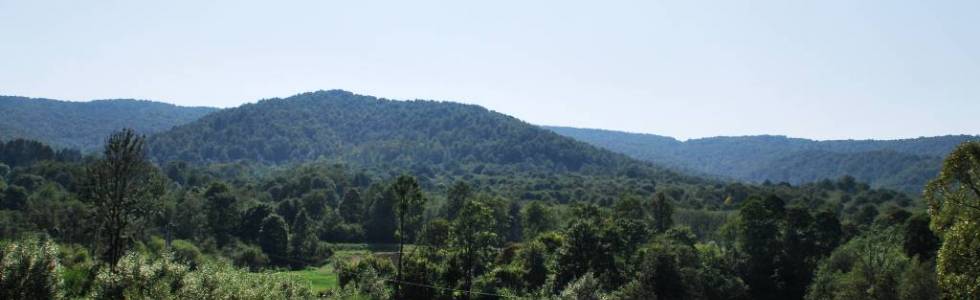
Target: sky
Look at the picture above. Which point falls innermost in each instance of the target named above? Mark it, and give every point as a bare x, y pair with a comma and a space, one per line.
688, 69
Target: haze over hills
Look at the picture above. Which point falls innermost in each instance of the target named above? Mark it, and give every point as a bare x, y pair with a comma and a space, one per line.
84, 125
900, 164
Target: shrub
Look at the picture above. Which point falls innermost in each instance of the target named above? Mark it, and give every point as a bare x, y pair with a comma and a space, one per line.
186, 253
251, 257
30, 270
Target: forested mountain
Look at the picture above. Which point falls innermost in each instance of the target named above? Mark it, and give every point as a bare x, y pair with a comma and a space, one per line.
468, 200
83, 125
425, 137
900, 164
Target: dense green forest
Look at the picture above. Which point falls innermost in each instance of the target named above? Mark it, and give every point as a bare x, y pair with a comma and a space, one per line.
83, 125
429, 136
432, 200
904, 165
438, 142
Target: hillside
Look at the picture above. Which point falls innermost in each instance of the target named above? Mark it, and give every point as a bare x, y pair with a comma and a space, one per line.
900, 164
84, 125
428, 138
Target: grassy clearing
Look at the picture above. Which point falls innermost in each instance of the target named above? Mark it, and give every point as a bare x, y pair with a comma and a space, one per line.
324, 278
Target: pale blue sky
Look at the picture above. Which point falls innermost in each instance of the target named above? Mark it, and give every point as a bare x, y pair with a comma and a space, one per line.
816, 69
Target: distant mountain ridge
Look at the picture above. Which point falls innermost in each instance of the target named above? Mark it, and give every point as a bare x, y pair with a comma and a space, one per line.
905, 164
421, 136
84, 125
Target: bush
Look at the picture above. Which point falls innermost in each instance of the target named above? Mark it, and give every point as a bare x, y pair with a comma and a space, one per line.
142, 277
250, 256
30, 270
584, 288
186, 253
77, 270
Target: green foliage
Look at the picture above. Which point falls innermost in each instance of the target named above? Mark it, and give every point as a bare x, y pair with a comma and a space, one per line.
456, 198
366, 275
304, 243
906, 165
663, 213
473, 237
958, 261
123, 188
919, 241
375, 132
352, 207
759, 239
274, 239
142, 277
30, 270
868, 267
408, 208
186, 253
380, 224
22, 153
919, 281
223, 212
667, 270
514, 229
585, 287
84, 125
537, 219
251, 257
954, 208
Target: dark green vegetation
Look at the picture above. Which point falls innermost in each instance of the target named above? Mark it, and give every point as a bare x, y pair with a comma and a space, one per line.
437, 142
570, 222
426, 137
84, 125
905, 165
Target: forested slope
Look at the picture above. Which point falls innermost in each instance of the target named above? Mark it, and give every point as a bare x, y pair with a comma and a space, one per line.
425, 137
84, 125
899, 164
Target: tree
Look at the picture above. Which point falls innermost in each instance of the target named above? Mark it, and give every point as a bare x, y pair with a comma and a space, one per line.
629, 207
252, 222
408, 211
584, 250
14, 198
274, 238
870, 266
662, 212
437, 233
533, 261
954, 208
380, 223
317, 201
473, 236
456, 197
758, 238
123, 187
665, 272
827, 232
351, 207
919, 241
799, 250
515, 228
536, 219
223, 212
304, 240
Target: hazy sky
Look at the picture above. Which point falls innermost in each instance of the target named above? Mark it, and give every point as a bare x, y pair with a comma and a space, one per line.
816, 69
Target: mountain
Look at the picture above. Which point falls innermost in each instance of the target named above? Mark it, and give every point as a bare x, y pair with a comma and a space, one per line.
899, 164
84, 125
426, 138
